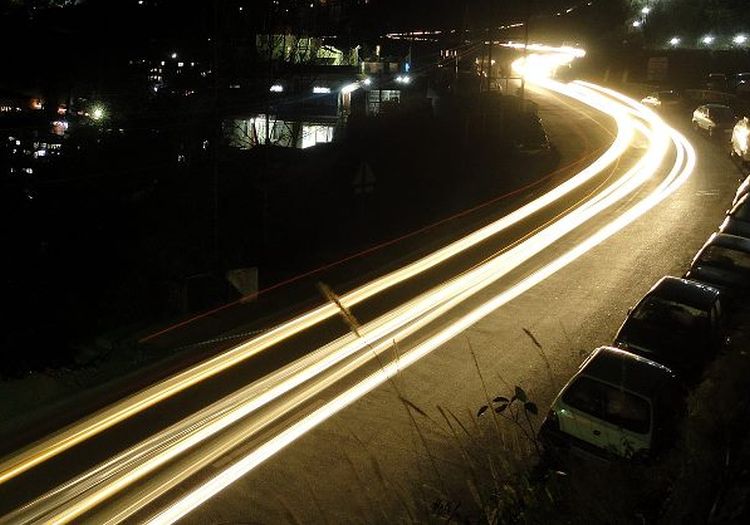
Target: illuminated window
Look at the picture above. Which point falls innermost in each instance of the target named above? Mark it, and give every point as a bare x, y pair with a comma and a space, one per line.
316, 134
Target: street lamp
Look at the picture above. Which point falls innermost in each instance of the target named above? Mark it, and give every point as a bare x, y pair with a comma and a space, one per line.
675, 41
708, 40
740, 39
646, 10
636, 23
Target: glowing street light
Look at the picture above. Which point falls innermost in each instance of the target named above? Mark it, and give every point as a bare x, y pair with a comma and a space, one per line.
320, 90
97, 113
740, 39
636, 23
708, 40
276, 88
646, 10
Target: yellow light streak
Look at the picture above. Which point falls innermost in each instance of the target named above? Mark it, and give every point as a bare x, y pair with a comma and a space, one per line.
681, 171
104, 419
143, 459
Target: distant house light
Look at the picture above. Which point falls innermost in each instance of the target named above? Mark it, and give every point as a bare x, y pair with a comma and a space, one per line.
180, 64
277, 88
320, 90
174, 55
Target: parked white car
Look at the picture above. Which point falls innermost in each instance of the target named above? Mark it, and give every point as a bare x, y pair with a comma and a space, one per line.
715, 119
662, 100
740, 140
618, 405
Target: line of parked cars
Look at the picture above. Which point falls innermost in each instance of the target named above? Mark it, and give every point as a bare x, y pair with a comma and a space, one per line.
717, 120
627, 400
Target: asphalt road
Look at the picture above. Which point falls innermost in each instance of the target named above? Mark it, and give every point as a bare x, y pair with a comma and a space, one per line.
569, 313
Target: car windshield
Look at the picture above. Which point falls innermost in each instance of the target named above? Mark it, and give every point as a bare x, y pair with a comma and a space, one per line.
613, 405
726, 258
669, 314
722, 114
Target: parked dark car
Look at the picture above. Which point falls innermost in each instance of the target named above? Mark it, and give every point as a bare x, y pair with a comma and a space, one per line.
617, 406
737, 221
723, 262
678, 323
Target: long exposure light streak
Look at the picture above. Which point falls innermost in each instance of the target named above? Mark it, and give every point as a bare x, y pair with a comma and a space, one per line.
82, 494
41, 451
227, 423
680, 172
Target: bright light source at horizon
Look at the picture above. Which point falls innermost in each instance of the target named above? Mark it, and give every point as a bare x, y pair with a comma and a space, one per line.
675, 40
740, 39
97, 113
708, 40
320, 90
276, 88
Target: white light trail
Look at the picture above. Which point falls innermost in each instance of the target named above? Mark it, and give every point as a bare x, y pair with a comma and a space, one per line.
681, 171
398, 324
110, 416
143, 459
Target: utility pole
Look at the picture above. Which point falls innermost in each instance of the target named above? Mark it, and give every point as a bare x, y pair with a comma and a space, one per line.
525, 50
489, 57
217, 136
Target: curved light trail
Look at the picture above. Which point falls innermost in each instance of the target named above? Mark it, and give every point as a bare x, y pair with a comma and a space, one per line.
324, 367
102, 420
682, 169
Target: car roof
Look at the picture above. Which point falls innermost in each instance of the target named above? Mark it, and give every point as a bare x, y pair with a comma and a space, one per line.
620, 368
726, 240
685, 291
